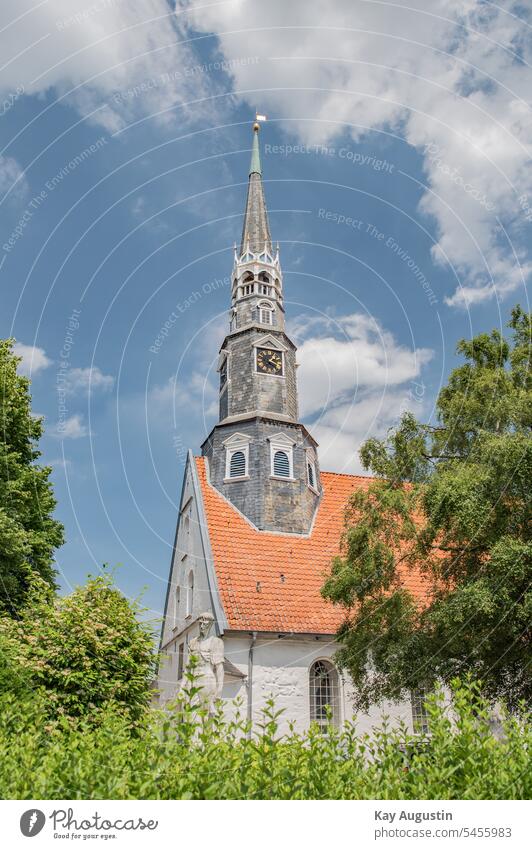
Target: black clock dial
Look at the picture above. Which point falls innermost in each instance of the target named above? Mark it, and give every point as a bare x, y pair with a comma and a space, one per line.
269, 361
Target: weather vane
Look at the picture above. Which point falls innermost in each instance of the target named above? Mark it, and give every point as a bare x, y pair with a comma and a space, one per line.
258, 118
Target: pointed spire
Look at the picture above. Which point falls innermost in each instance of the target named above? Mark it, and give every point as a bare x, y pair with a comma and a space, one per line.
255, 167
256, 230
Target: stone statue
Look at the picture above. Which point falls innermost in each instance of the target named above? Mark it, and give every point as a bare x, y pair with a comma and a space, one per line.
209, 673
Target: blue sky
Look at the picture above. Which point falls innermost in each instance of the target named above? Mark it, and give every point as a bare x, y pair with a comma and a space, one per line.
396, 160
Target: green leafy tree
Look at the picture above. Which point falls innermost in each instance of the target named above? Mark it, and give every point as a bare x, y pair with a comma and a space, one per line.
28, 533
451, 507
84, 652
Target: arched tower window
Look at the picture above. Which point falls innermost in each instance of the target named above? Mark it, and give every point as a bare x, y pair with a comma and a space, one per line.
324, 688
311, 473
281, 464
266, 312
236, 457
237, 467
248, 284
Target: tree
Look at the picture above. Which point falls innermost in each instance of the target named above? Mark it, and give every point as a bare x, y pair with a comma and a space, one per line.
28, 533
83, 652
451, 506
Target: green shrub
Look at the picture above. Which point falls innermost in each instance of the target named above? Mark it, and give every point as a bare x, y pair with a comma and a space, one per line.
84, 652
182, 754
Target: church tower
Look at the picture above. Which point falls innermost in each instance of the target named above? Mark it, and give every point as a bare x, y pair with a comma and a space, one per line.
261, 458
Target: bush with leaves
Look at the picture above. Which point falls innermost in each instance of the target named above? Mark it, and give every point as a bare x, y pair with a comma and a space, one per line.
452, 503
84, 652
182, 754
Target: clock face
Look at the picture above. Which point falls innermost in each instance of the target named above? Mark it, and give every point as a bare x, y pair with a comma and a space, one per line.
269, 361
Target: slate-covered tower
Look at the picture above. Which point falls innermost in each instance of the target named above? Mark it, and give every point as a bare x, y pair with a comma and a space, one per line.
261, 458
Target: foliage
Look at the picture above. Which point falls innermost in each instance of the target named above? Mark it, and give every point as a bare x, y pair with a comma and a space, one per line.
185, 755
28, 533
451, 508
84, 652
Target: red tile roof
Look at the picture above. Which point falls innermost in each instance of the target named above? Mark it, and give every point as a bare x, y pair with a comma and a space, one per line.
272, 582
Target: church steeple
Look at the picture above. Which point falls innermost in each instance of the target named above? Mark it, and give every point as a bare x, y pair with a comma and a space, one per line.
260, 456
256, 230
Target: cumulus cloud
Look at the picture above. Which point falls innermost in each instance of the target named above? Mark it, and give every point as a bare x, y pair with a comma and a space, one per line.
79, 380
116, 59
71, 428
453, 77
34, 359
12, 175
355, 381
191, 392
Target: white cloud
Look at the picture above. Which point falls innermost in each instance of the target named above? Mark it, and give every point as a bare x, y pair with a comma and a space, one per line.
71, 428
123, 59
11, 174
60, 463
454, 75
355, 381
347, 354
196, 392
87, 380
34, 359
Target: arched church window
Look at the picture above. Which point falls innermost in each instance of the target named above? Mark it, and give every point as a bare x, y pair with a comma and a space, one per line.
323, 694
237, 467
190, 593
311, 472
186, 534
281, 464
176, 607
263, 277
420, 717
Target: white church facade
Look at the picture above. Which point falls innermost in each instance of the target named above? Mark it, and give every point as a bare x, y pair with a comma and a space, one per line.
259, 521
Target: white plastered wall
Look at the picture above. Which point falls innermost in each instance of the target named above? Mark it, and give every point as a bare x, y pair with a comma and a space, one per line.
281, 667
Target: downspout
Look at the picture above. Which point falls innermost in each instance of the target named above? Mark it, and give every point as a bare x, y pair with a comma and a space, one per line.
250, 680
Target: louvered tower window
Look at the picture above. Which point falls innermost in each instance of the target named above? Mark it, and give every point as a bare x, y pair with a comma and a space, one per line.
237, 468
281, 464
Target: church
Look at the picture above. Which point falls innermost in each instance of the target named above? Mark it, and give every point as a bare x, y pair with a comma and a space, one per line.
259, 522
